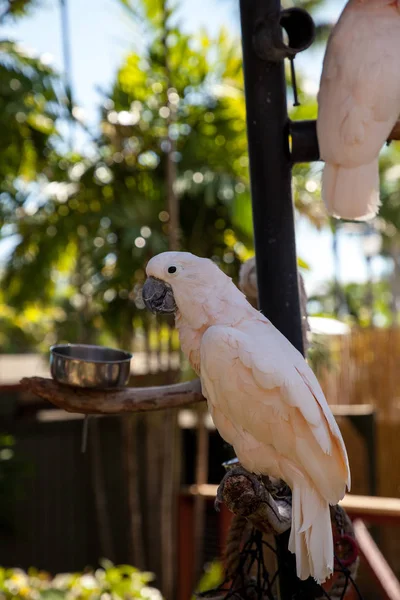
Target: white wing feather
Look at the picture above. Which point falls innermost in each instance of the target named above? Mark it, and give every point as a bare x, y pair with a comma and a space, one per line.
261, 392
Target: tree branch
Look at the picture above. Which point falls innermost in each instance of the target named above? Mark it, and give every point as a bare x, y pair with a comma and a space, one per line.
268, 507
104, 402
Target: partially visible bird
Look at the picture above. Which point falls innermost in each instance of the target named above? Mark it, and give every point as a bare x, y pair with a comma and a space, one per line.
359, 103
249, 286
248, 281
263, 397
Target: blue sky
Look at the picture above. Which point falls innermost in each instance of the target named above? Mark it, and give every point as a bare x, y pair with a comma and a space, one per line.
101, 35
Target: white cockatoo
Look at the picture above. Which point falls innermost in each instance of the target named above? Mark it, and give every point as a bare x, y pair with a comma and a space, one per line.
359, 103
263, 397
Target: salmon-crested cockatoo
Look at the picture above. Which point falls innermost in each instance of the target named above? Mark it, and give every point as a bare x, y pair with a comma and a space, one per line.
359, 103
263, 397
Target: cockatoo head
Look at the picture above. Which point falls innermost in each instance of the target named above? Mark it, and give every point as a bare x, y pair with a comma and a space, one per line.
180, 280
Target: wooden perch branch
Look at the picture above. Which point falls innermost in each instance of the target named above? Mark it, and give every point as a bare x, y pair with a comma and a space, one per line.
108, 402
243, 494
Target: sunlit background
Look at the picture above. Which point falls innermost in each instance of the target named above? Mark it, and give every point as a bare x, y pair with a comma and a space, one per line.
107, 109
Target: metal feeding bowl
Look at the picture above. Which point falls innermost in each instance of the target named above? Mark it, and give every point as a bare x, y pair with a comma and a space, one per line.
85, 366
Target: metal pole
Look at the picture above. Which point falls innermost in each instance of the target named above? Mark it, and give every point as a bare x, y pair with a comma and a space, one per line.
270, 175
336, 263
67, 67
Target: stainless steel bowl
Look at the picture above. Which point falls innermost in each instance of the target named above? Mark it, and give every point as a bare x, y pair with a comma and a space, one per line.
87, 366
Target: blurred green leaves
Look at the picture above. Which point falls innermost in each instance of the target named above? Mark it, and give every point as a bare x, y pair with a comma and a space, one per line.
80, 228
86, 228
10, 9
213, 577
110, 582
29, 107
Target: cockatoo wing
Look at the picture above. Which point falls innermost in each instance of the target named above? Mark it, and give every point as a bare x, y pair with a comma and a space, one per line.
263, 397
359, 97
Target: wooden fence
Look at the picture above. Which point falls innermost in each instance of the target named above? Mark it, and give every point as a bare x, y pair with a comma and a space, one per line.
58, 518
364, 369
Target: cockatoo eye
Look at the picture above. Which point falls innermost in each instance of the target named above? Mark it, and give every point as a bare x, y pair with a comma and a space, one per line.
172, 269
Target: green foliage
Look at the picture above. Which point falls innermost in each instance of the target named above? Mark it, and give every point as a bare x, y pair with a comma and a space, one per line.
11, 9
29, 106
31, 101
101, 219
361, 302
319, 355
84, 227
389, 214
30, 328
110, 582
86, 239
212, 578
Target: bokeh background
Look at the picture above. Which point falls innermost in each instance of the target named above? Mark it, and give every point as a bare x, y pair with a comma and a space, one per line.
122, 131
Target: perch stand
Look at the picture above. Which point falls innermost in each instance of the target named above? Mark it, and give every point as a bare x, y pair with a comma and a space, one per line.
265, 505
126, 400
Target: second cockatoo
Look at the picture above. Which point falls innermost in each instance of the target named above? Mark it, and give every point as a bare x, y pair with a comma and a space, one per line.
263, 397
358, 104
249, 286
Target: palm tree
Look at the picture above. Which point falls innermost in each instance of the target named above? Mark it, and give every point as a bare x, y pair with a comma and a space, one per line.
100, 220
30, 104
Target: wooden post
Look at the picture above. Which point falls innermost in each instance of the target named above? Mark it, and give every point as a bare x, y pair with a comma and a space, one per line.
186, 559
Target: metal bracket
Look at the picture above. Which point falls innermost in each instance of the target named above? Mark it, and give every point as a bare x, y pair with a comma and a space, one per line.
303, 141
268, 40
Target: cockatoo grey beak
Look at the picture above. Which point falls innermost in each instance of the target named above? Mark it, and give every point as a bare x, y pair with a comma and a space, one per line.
158, 296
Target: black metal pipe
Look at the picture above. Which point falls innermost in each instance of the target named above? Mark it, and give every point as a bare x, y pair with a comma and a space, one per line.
303, 141
270, 174
66, 45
